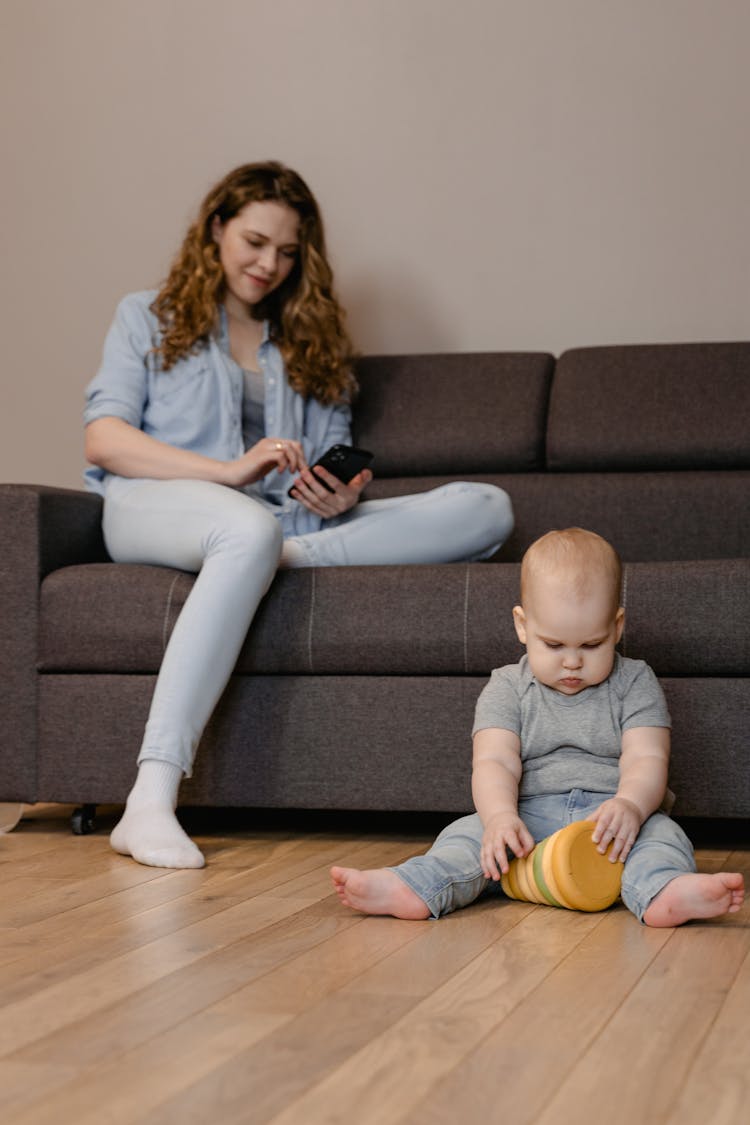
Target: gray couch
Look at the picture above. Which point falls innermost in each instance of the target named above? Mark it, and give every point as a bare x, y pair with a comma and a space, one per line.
356, 686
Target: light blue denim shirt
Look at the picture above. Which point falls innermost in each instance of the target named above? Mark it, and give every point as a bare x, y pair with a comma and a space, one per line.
197, 405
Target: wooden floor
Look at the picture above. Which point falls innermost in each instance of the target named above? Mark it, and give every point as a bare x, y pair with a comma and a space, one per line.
246, 993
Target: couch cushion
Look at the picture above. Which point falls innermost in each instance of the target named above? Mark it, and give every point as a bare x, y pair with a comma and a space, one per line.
348, 620
661, 516
389, 620
453, 414
394, 742
688, 619
654, 406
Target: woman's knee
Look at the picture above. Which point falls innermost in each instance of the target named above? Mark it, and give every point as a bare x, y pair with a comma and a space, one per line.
183, 523
490, 510
493, 502
250, 531
502, 508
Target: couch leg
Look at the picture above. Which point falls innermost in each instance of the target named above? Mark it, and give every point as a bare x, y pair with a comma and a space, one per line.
10, 814
83, 820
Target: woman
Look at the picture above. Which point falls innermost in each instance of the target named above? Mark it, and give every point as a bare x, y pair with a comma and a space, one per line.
214, 397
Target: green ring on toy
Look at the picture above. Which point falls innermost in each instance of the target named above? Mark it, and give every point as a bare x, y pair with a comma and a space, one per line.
538, 854
527, 866
566, 870
549, 871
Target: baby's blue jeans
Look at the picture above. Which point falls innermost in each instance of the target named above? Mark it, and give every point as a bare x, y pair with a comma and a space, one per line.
234, 544
450, 876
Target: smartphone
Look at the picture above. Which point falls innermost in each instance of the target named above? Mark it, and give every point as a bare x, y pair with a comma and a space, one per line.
344, 461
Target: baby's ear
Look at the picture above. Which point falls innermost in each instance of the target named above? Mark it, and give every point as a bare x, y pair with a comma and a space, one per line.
519, 620
619, 624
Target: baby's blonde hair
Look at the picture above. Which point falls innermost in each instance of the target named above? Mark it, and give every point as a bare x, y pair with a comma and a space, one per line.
577, 557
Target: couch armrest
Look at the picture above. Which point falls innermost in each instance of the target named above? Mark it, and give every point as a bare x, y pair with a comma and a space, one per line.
60, 526
41, 529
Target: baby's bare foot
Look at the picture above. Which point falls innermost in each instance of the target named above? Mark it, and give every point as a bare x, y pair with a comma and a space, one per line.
696, 896
379, 891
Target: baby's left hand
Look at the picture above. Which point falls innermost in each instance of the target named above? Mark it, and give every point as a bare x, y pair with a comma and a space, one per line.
619, 821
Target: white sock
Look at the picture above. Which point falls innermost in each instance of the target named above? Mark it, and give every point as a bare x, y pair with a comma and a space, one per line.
292, 556
149, 831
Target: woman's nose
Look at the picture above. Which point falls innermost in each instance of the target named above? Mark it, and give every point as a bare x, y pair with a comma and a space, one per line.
269, 259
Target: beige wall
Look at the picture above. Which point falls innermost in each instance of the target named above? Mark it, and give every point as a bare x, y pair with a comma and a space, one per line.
495, 174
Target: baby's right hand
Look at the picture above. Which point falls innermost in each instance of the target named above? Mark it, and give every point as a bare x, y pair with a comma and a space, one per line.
502, 831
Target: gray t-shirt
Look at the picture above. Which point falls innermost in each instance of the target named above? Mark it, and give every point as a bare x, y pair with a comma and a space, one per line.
571, 741
253, 403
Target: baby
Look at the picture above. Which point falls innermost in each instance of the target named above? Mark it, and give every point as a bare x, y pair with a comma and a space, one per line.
574, 731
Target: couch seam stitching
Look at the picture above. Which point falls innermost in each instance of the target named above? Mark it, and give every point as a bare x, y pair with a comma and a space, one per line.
625, 607
310, 621
466, 620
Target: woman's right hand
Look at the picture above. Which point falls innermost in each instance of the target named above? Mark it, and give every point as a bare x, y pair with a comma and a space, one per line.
260, 459
120, 448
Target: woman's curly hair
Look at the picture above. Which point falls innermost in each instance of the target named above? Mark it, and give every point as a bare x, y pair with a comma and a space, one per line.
305, 318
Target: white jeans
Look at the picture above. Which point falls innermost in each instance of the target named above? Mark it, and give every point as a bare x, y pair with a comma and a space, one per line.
234, 544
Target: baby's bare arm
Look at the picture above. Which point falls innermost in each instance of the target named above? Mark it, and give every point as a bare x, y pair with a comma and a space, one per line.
643, 782
495, 778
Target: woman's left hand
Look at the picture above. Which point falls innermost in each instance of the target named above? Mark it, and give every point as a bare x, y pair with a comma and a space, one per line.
317, 498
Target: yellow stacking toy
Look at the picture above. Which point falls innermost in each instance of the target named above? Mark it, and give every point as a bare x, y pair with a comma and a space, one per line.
566, 870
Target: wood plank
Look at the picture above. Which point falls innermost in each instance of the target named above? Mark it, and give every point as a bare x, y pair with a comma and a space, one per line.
658, 1029
522, 1062
150, 983
717, 1089
246, 988
108, 1007
138, 1082
395, 1070
261, 1081
123, 1091
290, 1059
135, 974
23, 906
19, 1081
92, 932
93, 929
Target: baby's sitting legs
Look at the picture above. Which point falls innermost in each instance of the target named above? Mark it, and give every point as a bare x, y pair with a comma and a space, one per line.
692, 897
448, 877
379, 891
660, 883
686, 898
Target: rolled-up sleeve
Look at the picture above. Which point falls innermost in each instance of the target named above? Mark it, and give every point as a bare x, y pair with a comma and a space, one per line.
120, 387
